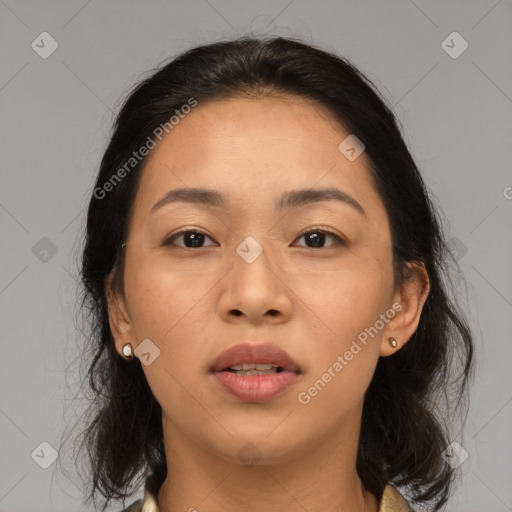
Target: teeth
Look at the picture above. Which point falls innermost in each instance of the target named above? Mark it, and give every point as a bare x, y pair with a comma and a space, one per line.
253, 366
249, 373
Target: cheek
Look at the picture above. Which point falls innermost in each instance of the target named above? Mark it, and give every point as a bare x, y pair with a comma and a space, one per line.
343, 326
343, 347
171, 309
160, 299
345, 301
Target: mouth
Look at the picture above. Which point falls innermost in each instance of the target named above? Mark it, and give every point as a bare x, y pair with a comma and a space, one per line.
254, 373
250, 369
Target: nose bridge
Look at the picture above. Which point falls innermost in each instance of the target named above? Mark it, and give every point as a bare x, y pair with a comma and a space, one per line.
256, 258
255, 284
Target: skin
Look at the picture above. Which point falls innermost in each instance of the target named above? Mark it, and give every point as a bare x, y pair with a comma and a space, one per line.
312, 301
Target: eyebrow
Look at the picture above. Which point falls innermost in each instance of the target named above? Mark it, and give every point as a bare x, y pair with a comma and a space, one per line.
294, 198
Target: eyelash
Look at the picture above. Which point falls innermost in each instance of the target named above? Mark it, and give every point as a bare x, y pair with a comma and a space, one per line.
169, 241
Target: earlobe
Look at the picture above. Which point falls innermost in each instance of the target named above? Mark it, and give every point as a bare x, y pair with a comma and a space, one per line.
119, 320
412, 297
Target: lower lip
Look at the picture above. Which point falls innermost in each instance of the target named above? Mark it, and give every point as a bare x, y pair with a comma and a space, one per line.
255, 388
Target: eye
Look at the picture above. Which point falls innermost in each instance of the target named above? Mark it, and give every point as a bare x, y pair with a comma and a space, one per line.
317, 237
191, 237
194, 239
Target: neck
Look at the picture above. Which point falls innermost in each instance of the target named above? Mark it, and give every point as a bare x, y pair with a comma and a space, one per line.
323, 479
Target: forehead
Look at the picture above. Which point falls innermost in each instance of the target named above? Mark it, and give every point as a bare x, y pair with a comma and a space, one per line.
252, 150
279, 122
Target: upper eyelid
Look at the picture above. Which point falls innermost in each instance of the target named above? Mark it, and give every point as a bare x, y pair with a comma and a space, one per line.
181, 232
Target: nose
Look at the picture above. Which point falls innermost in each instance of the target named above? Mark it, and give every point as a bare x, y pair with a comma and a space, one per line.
256, 289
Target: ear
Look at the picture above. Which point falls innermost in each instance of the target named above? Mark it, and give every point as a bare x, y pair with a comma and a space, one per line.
412, 296
118, 316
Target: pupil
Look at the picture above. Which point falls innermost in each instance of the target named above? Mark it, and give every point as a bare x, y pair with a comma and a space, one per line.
316, 238
195, 238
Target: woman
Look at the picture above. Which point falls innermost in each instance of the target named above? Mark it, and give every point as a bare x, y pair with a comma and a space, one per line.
264, 267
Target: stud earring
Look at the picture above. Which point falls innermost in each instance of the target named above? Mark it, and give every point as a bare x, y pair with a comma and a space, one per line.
128, 351
393, 342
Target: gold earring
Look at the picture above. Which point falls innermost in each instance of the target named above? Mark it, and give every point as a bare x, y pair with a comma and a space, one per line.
128, 351
393, 342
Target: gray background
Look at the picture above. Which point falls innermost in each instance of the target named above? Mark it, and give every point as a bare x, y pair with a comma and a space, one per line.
56, 114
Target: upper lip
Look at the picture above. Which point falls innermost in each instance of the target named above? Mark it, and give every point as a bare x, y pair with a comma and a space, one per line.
247, 353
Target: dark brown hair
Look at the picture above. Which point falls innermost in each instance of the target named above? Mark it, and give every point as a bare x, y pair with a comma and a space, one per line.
413, 393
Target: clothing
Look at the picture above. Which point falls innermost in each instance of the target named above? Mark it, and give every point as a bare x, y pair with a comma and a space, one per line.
391, 501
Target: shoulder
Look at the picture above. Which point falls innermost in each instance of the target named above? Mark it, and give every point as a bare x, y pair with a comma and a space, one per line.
393, 501
146, 504
134, 507
151, 487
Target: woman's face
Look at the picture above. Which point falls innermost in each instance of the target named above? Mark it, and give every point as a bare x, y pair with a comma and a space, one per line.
258, 274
